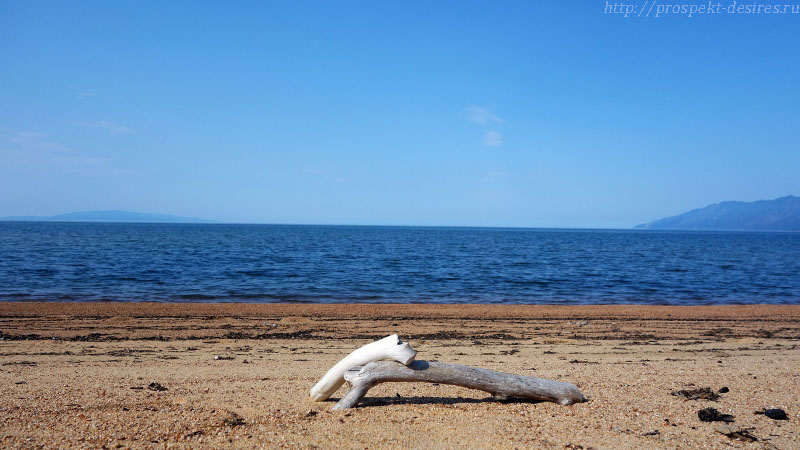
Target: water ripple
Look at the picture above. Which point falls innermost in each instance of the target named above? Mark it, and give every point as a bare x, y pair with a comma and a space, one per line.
261, 263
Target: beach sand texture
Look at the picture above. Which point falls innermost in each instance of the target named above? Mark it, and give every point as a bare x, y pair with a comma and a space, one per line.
88, 375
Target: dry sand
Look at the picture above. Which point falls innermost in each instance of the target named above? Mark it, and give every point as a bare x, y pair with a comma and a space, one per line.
77, 375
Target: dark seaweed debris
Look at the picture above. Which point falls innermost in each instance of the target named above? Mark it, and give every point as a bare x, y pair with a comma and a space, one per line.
712, 415
703, 393
303, 334
741, 434
234, 420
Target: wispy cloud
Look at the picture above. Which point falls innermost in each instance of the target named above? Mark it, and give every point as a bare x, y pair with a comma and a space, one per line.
114, 128
322, 173
492, 138
486, 118
82, 94
482, 116
37, 153
494, 175
30, 140
313, 171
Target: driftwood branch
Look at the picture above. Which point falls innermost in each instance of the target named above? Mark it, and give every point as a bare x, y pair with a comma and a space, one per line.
501, 385
388, 348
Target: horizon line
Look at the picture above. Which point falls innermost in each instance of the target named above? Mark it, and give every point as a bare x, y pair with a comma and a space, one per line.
513, 227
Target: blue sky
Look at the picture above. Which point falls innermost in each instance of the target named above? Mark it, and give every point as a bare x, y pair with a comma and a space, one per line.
542, 114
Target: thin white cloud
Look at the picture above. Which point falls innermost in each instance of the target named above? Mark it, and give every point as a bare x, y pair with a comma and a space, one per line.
492, 138
494, 175
82, 94
313, 171
36, 153
322, 173
482, 116
32, 141
486, 119
114, 128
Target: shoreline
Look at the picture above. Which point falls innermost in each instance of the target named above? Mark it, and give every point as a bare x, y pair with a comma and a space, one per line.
760, 310
237, 375
119, 321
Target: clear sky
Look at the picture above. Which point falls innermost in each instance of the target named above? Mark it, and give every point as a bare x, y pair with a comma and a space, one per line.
495, 113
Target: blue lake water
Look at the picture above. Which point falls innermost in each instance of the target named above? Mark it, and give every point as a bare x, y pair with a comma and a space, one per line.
277, 263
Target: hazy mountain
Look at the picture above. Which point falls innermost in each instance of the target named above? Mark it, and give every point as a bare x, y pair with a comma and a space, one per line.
781, 214
108, 216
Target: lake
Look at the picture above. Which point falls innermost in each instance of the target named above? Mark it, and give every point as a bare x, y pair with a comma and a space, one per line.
288, 263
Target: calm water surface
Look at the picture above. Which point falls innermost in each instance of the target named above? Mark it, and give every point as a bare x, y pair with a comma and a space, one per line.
272, 263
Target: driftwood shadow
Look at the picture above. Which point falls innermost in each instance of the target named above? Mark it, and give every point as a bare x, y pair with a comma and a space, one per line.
419, 400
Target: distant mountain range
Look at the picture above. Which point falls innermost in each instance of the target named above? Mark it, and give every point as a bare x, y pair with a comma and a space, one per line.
781, 214
108, 216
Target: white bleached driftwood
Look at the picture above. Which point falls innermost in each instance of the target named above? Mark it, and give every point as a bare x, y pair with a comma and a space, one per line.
388, 348
501, 385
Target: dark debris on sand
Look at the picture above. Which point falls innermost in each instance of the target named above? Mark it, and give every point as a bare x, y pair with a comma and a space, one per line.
774, 413
703, 393
733, 432
712, 415
234, 420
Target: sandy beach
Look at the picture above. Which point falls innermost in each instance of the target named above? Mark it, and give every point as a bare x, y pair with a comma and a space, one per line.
153, 375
